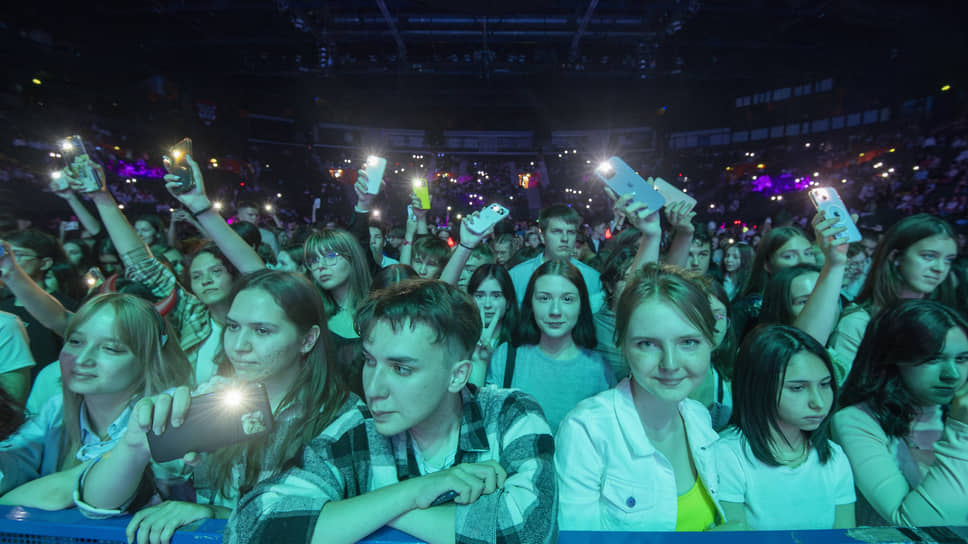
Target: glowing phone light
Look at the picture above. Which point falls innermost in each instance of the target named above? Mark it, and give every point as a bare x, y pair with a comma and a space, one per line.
232, 398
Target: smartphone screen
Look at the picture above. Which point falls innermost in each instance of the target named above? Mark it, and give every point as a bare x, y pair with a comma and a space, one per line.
216, 420
79, 165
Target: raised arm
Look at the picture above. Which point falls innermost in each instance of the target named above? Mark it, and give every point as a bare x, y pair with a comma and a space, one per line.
39, 303
647, 222
458, 258
416, 224
819, 315
241, 254
680, 215
86, 218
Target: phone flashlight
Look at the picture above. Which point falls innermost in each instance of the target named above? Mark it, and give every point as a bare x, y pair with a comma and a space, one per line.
606, 169
372, 160
417, 182
268, 207
232, 398
55, 174
66, 145
176, 154
217, 205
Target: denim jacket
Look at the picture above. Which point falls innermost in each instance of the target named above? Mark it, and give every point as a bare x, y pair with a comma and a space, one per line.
611, 478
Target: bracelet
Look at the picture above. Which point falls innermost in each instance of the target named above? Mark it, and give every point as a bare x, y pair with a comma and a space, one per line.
201, 211
469, 248
407, 243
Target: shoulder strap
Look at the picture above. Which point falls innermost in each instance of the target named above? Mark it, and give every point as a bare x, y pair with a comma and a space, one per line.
509, 365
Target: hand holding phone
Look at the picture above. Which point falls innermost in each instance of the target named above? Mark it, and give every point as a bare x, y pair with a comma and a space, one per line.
422, 191
671, 193
81, 173
374, 169
216, 420
826, 200
487, 218
178, 166
622, 179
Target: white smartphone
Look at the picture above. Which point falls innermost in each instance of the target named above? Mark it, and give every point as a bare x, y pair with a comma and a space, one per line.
828, 201
375, 166
488, 217
671, 192
622, 179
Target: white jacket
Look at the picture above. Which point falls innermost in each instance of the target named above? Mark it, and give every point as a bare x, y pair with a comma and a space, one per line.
611, 478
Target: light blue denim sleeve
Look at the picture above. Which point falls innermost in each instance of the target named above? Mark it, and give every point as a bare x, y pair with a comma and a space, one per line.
33, 450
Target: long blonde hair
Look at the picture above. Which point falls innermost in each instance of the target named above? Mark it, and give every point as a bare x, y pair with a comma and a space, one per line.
153, 344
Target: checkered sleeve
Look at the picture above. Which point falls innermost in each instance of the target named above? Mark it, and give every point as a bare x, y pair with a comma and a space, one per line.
524, 511
190, 316
285, 507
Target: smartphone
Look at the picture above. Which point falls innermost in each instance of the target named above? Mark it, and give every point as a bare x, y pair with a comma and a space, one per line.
422, 191
93, 278
374, 173
178, 166
71, 225
216, 420
445, 498
488, 217
79, 165
623, 180
670, 192
828, 201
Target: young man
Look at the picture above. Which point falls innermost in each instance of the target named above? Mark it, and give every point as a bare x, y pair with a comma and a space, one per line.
248, 211
559, 228
378, 240
430, 434
700, 252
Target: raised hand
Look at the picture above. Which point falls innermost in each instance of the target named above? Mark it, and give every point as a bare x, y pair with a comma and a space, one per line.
828, 233
680, 215
195, 199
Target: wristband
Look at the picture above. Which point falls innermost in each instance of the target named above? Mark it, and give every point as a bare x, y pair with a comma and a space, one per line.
201, 211
469, 248
407, 243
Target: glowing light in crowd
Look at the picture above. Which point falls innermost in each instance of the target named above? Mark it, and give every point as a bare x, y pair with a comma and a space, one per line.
36, 81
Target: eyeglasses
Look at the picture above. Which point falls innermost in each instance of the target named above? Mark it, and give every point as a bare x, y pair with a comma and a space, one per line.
328, 258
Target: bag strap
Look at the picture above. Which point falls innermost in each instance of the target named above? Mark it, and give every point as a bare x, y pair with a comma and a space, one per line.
509, 366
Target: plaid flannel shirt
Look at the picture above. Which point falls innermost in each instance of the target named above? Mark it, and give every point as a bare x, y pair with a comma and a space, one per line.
351, 458
190, 317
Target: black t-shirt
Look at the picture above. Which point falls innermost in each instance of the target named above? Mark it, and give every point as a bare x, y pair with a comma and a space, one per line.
45, 346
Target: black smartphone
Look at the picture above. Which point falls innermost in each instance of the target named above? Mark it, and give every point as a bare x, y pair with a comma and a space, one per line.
216, 420
177, 165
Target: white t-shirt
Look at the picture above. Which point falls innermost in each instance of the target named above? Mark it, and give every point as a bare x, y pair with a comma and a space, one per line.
14, 348
783, 498
205, 366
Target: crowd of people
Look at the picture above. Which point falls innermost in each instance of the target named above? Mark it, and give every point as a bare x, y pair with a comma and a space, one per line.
638, 370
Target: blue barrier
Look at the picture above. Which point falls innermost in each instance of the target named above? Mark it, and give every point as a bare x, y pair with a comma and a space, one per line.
20, 525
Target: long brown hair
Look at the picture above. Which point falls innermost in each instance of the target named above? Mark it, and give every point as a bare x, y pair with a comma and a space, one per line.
152, 342
316, 387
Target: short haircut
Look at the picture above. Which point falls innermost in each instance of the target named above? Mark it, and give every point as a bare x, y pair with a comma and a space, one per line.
758, 381
396, 231
584, 332
558, 211
392, 275
907, 334
246, 204
776, 296
379, 225
445, 309
667, 283
701, 236
432, 248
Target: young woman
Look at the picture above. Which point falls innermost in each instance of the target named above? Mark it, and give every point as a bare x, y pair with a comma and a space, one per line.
116, 351
912, 260
491, 287
787, 293
905, 422
275, 334
737, 267
152, 233
340, 267
291, 258
550, 355
781, 248
638, 457
715, 392
783, 393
